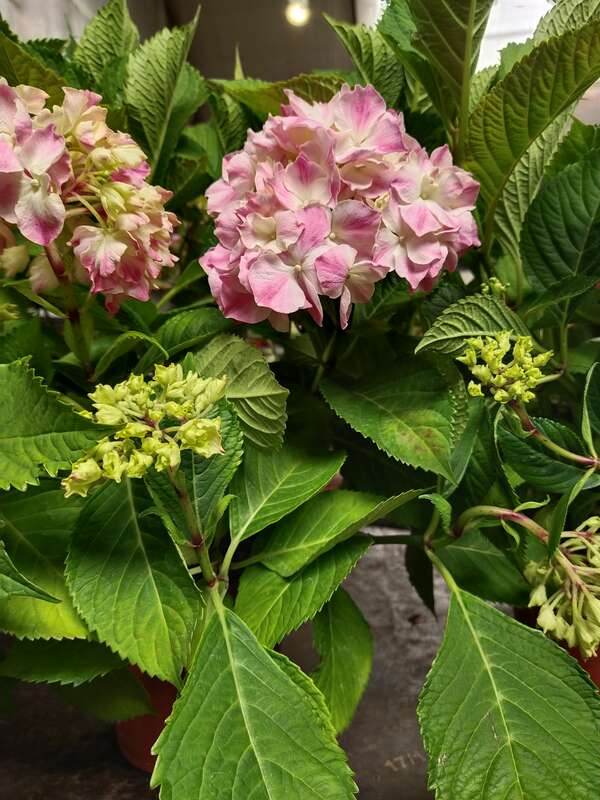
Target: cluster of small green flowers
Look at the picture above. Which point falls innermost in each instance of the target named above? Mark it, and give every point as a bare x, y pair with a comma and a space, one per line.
567, 589
505, 380
8, 312
156, 420
494, 287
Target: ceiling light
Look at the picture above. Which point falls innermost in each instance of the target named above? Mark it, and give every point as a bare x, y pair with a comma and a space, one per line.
297, 12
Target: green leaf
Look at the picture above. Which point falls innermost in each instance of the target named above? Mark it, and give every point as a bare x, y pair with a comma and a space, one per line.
409, 411
520, 108
372, 56
67, 662
154, 72
420, 572
561, 234
590, 422
19, 66
343, 639
559, 515
35, 527
564, 289
122, 345
184, 331
13, 583
523, 185
230, 121
24, 338
273, 606
576, 144
388, 297
536, 464
272, 483
443, 508
113, 697
323, 522
477, 315
519, 718
567, 15
130, 584
449, 33
258, 399
109, 36
264, 98
37, 429
190, 93
484, 569
277, 743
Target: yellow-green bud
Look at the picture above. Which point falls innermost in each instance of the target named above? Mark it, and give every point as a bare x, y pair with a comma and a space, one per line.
84, 474
9, 312
538, 596
14, 260
474, 389
202, 436
138, 464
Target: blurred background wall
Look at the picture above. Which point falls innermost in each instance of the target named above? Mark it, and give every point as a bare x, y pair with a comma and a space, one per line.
270, 47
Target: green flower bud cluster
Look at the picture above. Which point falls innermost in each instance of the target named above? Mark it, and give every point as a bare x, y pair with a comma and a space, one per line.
494, 287
156, 420
567, 590
8, 312
507, 372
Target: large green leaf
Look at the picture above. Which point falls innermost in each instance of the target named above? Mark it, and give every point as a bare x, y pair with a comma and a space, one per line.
520, 108
567, 15
449, 34
484, 569
472, 316
230, 120
35, 527
13, 583
523, 185
251, 386
264, 98
561, 234
66, 662
18, 65
273, 606
409, 411
343, 640
373, 58
506, 713
37, 429
153, 74
323, 522
539, 466
130, 584
184, 331
110, 36
271, 483
277, 745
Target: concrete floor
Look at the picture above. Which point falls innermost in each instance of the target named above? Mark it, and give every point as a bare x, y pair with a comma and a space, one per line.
50, 752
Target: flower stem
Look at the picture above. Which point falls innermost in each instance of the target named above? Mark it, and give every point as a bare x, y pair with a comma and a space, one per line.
528, 425
469, 519
197, 541
325, 356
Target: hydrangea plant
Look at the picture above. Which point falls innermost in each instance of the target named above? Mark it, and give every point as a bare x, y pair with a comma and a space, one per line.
228, 347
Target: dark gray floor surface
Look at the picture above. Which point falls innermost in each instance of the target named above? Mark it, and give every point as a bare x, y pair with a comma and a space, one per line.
51, 752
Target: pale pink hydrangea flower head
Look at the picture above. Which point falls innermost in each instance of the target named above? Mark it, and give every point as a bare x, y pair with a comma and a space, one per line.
49, 160
325, 201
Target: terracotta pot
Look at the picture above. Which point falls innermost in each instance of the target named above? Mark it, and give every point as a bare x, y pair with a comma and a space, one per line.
591, 665
136, 736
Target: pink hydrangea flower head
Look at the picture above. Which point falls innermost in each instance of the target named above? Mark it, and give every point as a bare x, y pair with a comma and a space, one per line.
324, 201
49, 159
